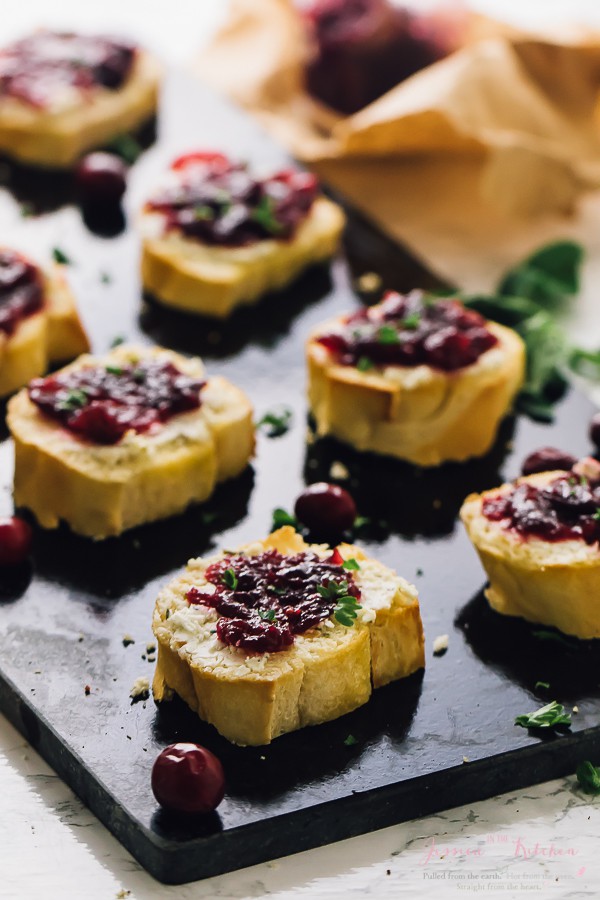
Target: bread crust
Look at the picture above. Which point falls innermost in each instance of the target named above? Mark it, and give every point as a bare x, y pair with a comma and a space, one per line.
550, 583
418, 414
213, 281
328, 671
50, 336
104, 490
56, 138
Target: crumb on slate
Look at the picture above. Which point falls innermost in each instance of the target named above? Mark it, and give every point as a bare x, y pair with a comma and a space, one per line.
440, 645
140, 689
127, 640
87, 690
151, 647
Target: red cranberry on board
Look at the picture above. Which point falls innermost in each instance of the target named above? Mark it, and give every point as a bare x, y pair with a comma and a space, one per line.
595, 429
15, 541
325, 509
187, 778
101, 179
546, 459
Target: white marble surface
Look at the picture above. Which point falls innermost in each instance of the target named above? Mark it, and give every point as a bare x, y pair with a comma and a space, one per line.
542, 841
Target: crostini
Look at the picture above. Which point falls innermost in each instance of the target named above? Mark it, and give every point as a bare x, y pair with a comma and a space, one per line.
538, 540
418, 378
39, 323
112, 442
62, 94
280, 634
216, 237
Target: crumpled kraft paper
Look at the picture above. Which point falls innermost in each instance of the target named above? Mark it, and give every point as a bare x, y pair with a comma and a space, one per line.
473, 161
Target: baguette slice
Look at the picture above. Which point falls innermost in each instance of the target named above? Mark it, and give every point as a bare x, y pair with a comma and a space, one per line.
56, 138
50, 336
420, 414
550, 583
213, 281
103, 490
327, 672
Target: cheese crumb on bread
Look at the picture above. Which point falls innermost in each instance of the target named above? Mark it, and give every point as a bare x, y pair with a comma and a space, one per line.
103, 490
328, 671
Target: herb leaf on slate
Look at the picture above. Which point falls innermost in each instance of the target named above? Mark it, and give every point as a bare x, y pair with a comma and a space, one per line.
552, 715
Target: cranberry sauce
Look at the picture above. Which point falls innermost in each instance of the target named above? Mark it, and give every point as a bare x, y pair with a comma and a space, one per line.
21, 290
566, 509
411, 330
264, 600
103, 402
39, 67
218, 202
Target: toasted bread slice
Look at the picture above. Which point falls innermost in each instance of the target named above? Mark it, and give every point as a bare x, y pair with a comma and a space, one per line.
420, 414
549, 582
213, 281
328, 671
57, 137
52, 335
103, 490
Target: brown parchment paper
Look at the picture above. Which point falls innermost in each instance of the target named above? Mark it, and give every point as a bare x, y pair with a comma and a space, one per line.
472, 162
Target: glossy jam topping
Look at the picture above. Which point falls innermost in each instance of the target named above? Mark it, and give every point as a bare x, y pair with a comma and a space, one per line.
101, 403
21, 290
218, 202
411, 330
568, 508
264, 600
38, 68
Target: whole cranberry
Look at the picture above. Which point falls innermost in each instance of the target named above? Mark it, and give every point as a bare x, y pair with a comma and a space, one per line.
15, 541
326, 509
594, 431
188, 778
546, 459
101, 179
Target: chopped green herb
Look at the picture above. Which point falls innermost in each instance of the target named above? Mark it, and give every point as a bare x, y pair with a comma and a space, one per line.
114, 370
541, 684
596, 515
345, 611
127, 147
267, 614
362, 522
388, 335
412, 321
364, 364
588, 777
552, 715
351, 565
74, 399
60, 256
350, 741
277, 421
264, 214
105, 277
204, 213
230, 579
281, 518
117, 341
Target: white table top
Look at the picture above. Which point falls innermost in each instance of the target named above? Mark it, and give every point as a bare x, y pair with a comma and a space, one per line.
542, 840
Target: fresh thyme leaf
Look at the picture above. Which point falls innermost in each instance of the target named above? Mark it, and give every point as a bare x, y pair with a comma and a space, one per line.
60, 256
388, 335
127, 147
114, 370
550, 716
204, 213
351, 565
411, 321
264, 214
230, 579
267, 614
74, 399
277, 421
350, 741
364, 364
588, 777
281, 518
541, 684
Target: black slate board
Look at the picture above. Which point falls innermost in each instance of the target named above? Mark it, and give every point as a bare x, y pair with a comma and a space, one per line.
62, 623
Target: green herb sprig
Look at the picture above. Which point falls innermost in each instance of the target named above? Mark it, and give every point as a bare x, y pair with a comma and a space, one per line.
264, 214
127, 147
59, 256
588, 777
73, 400
345, 611
552, 715
276, 422
281, 517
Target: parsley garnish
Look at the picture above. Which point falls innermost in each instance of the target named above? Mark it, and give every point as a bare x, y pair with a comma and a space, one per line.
264, 214
361, 522
117, 341
596, 515
74, 399
588, 777
364, 364
230, 579
388, 335
345, 611
60, 256
351, 565
281, 518
267, 614
412, 321
204, 213
541, 684
127, 147
278, 421
552, 715
350, 741
114, 370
